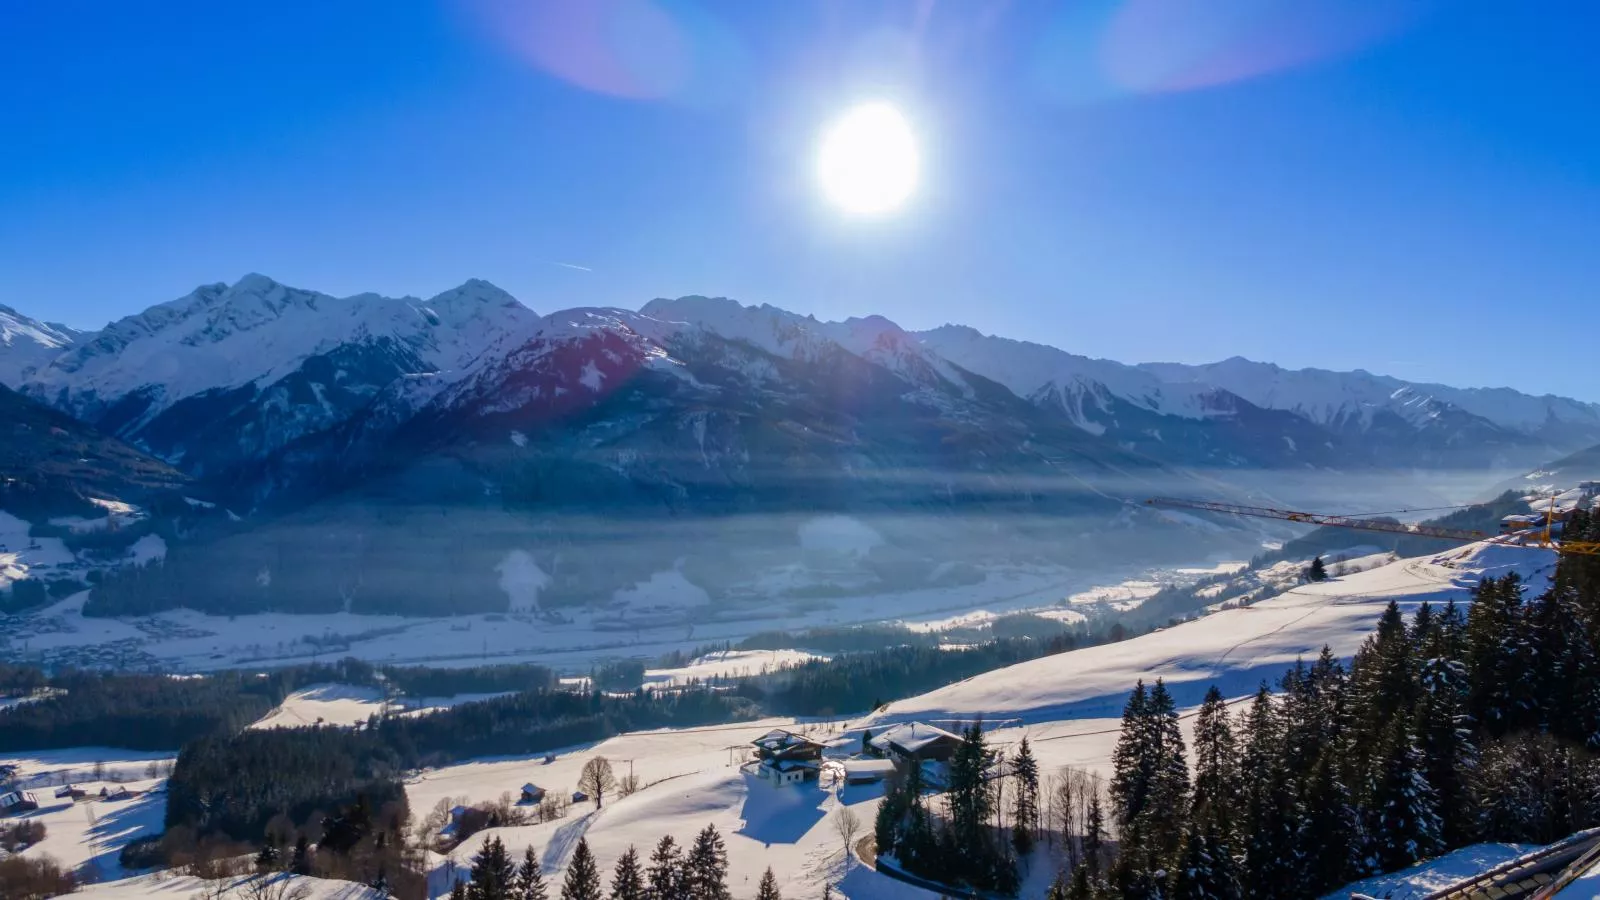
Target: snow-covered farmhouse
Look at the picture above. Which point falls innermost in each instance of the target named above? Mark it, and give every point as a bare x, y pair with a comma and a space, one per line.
17, 802
532, 793
867, 771
787, 758
915, 742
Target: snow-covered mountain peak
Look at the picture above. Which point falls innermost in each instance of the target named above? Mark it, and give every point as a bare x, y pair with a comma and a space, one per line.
1355, 397
27, 343
1037, 370
768, 328
472, 299
257, 331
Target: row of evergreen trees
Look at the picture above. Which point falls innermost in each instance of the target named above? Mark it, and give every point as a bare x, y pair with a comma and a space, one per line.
1443, 731
698, 872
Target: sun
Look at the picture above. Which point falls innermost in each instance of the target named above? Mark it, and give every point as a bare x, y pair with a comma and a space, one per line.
868, 160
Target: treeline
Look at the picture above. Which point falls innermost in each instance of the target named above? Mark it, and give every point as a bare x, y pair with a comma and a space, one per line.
235, 785
421, 681
695, 871
1444, 731
137, 712
161, 712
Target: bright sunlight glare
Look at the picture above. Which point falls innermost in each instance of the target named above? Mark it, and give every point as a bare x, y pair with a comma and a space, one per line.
868, 160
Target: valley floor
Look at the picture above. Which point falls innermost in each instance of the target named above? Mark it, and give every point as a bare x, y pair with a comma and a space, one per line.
189, 641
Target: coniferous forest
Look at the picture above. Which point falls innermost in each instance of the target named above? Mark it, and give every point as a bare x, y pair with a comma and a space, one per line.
1446, 729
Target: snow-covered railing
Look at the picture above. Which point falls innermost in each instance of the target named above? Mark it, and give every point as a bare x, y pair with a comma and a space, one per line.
1526, 867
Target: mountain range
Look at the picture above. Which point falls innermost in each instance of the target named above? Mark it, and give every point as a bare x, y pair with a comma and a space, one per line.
400, 454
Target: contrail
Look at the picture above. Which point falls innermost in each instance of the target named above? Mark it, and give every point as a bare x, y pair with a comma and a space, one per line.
572, 266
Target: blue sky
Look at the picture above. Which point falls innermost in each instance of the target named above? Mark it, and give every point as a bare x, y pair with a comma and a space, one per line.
1391, 185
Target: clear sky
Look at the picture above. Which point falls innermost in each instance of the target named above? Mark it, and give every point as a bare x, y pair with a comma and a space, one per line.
1407, 187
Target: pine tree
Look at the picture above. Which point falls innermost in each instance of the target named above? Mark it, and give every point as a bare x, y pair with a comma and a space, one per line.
529, 883
492, 872
1094, 837
1496, 655
1132, 765
583, 875
1206, 871
886, 823
1318, 571
267, 859
1216, 772
768, 889
1082, 885
301, 863
627, 879
458, 890
1272, 812
706, 867
1333, 834
1025, 807
664, 880
1408, 826
1169, 785
1445, 742
1383, 676
970, 798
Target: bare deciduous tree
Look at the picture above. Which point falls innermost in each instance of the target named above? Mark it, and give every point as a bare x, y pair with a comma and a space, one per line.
629, 784
597, 779
848, 824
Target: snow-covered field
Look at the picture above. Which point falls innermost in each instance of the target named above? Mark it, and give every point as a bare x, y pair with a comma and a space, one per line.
730, 664
163, 886
89, 834
347, 704
693, 779
1234, 648
186, 640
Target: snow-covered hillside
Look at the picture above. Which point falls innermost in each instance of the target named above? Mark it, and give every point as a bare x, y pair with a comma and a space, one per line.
1234, 649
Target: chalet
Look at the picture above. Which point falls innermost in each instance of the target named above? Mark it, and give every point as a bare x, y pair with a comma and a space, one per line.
67, 791
17, 802
867, 771
532, 793
787, 758
915, 742
1512, 524
580, 797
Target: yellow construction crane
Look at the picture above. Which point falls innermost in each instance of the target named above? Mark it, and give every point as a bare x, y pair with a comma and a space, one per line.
1586, 548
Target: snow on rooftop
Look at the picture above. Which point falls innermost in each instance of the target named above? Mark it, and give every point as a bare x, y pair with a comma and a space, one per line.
912, 736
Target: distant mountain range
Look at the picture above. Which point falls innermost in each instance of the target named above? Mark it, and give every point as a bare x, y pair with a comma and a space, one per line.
432, 455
